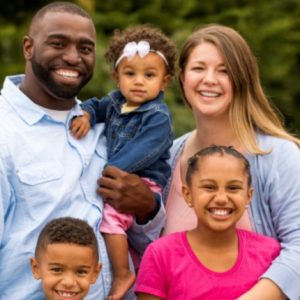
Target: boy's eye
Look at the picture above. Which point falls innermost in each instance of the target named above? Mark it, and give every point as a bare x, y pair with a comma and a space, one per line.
56, 270
82, 272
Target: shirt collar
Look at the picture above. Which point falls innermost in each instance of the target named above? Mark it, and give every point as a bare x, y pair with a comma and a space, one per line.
25, 108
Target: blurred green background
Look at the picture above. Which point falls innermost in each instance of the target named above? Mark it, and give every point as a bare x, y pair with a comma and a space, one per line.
272, 28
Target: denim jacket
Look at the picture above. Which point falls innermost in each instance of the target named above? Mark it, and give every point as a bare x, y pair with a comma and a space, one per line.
138, 141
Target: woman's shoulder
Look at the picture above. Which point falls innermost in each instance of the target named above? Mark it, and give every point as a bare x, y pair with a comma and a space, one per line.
275, 144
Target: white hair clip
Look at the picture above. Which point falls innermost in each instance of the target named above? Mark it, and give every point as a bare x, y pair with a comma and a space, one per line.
142, 48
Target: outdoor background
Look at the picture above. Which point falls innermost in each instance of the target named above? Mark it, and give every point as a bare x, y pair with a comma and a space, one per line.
272, 28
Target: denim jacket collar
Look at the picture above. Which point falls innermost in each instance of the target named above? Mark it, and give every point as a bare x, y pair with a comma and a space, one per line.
118, 99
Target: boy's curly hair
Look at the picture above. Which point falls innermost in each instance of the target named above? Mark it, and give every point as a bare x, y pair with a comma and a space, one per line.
157, 39
67, 230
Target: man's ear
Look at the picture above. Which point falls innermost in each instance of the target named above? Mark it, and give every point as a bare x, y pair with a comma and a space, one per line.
187, 195
27, 47
96, 273
35, 269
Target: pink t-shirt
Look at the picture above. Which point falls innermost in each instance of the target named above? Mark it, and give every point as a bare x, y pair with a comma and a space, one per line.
180, 217
170, 269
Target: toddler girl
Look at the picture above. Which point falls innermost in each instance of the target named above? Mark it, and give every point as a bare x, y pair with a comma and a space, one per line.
138, 127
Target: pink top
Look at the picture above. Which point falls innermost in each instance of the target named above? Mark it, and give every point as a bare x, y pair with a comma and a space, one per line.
170, 269
180, 217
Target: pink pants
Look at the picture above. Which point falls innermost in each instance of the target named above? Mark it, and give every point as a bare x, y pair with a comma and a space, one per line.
117, 223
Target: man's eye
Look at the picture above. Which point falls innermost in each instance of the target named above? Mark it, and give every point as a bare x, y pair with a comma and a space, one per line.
57, 44
86, 50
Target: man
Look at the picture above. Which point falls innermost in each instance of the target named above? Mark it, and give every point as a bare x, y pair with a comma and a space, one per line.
45, 173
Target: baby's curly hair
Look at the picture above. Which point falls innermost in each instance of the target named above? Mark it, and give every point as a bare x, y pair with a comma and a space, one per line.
67, 230
157, 39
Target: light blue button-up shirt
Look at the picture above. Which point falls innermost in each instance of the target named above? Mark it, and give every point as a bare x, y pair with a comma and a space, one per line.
44, 174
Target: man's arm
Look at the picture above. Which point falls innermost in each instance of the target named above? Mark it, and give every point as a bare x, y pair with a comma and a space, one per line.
129, 194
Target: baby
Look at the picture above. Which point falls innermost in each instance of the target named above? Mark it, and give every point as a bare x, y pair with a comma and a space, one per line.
138, 127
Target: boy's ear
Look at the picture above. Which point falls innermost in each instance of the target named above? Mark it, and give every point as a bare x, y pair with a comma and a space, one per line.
35, 269
187, 195
96, 273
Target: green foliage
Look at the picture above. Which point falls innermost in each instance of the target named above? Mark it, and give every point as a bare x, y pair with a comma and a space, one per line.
272, 27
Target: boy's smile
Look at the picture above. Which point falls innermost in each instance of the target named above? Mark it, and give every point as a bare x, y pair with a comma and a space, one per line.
66, 270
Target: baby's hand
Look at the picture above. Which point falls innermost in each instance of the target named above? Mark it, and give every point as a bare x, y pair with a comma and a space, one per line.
80, 126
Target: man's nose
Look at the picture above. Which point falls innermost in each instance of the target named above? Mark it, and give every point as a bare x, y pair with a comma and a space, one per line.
72, 55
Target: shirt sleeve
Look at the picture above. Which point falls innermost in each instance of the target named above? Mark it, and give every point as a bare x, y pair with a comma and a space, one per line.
281, 196
5, 196
151, 277
140, 236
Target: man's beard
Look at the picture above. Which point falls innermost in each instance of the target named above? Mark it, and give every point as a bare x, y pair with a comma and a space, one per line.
57, 90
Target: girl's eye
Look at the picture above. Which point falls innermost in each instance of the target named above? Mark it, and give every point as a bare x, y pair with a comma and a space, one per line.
234, 188
208, 187
149, 75
129, 73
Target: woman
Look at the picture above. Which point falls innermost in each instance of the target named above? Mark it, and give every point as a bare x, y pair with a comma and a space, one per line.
219, 78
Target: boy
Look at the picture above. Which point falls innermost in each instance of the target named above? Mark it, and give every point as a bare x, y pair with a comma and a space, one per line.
66, 259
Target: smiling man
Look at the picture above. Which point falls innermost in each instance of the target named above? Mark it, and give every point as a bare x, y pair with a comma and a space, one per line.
44, 172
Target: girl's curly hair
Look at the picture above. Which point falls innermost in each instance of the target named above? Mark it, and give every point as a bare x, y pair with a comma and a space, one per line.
157, 39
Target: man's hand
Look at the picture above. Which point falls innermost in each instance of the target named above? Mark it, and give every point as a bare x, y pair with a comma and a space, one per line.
80, 126
127, 193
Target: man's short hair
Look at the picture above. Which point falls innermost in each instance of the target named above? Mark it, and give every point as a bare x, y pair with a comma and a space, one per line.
58, 6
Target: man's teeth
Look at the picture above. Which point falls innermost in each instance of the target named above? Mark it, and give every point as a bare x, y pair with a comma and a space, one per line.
68, 74
210, 94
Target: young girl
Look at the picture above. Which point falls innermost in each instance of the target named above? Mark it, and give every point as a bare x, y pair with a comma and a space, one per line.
215, 260
138, 127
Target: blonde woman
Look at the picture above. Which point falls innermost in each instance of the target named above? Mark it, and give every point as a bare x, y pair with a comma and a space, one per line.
219, 78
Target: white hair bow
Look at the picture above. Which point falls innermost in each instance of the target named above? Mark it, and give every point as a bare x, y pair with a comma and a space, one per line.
142, 48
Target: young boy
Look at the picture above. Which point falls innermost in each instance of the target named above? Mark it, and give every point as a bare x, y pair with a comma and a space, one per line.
66, 259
